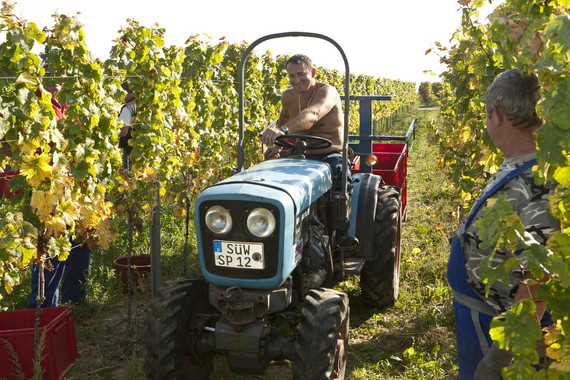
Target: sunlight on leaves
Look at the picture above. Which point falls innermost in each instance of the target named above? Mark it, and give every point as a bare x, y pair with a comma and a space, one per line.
36, 169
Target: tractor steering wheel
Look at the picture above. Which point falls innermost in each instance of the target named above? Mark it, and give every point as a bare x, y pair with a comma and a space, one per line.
302, 143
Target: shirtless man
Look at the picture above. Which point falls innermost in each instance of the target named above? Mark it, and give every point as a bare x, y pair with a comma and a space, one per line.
309, 108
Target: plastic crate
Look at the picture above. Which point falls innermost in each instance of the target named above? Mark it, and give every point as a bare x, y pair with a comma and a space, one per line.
392, 165
4, 179
60, 352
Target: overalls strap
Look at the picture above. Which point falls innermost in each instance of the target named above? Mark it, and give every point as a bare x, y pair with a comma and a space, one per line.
512, 174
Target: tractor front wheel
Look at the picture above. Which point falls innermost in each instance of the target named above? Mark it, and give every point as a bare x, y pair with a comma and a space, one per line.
380, 277
321, 338
177, 317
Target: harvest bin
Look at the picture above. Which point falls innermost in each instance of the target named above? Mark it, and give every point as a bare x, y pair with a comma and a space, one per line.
140, 269
60, 352
392, 166
4, 179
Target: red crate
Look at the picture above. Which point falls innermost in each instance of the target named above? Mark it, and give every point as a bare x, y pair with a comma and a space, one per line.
392, 166
60, 352
4, 179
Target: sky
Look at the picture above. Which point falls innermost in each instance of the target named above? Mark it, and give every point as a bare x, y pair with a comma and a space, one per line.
380, 38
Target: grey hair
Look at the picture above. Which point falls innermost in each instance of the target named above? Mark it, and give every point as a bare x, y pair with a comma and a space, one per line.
517, 97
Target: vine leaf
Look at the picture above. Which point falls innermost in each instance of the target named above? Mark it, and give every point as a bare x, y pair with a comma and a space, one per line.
554, 349
43, 204
26, 77
517, 329
36, 169
59, 247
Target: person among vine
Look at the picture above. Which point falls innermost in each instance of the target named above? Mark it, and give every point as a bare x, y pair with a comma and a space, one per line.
128, 111
71, 275
511, 122
309, 108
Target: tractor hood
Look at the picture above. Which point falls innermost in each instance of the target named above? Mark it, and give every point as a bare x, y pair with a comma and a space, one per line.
303, 180
286, 187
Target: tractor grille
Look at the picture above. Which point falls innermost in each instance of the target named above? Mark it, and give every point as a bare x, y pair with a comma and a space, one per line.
239, 211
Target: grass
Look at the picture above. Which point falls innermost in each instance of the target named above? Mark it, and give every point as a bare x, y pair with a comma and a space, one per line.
412, 340
415, 339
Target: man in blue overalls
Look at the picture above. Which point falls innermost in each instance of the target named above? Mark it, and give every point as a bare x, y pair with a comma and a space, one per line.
511, 122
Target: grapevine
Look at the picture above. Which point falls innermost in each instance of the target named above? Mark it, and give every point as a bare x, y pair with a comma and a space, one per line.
69, 184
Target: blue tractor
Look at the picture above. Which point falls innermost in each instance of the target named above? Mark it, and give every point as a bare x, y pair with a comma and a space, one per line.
273, 240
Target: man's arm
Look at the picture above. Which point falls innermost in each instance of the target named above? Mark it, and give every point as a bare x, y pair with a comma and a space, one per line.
323, 102
283, 115
272, 151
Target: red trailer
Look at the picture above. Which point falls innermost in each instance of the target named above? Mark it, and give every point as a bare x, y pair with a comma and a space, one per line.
386, 156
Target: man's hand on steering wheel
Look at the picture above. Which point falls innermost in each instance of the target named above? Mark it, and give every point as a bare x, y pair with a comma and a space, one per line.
303, 143
270, 135
272, 152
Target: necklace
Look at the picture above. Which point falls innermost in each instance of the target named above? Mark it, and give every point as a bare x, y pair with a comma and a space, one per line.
311, 98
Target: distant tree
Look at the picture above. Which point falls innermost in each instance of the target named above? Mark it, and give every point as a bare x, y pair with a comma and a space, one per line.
436, 88
425, 91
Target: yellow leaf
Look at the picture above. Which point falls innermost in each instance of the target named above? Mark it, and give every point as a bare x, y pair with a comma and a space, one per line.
150, 174
59, 247
61, 181
29, 146
70, 211
562, 175
56, 226
8, 287
86, 216
26, 78
39, 205
43, 204
63, 256
36, 169
104, 232
465, 134
91, 160
101, 189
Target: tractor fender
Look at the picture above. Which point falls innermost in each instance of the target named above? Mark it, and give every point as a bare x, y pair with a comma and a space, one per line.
363, 211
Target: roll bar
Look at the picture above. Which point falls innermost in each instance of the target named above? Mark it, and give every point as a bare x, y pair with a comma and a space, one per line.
245, 55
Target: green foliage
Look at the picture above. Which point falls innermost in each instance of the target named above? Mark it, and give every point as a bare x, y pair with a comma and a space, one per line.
532, 37
70, 184
64, 164
436, 88
425, 91
402, 94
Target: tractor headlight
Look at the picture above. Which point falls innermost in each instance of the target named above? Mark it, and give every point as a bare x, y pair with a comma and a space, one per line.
261, 222
219, 220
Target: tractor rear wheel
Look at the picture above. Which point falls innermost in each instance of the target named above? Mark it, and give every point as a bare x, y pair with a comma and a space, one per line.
380, 277
177, 317
321, 338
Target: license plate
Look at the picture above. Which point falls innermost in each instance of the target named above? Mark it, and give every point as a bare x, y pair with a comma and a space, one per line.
234, 254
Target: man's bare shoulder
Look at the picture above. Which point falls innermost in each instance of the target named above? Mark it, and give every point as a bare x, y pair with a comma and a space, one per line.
288, 97
327, 89
288, 94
